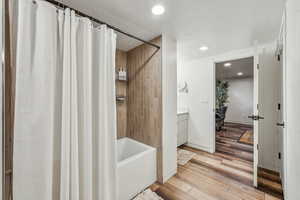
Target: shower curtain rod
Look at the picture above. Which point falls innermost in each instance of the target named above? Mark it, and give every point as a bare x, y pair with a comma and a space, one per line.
61, 5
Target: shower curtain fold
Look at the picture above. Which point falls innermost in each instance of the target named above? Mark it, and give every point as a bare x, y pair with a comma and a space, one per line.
65, 112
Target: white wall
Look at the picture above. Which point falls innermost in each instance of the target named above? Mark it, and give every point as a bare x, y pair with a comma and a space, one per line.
240, 104
269, 97
169, 88
199, 74
181, 97
292, 96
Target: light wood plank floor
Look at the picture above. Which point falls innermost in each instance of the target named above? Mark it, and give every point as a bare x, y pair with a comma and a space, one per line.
224, 175
211, 177
228, 142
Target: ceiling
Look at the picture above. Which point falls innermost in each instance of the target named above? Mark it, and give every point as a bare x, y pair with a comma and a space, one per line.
244, 65
221, 25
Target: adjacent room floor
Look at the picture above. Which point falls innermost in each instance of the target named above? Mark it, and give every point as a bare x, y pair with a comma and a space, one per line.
236, 140
224, 175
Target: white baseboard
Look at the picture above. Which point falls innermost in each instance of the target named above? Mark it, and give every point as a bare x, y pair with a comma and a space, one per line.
169, 175
210, 150
239, 122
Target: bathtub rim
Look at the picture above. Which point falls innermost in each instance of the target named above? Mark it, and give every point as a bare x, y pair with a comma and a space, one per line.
149, 149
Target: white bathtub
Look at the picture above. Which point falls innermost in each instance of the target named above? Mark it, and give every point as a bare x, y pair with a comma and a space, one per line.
136, 168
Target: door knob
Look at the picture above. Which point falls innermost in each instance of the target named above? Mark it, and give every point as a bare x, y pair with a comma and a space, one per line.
251, 117
256, 117
280, 124
260, 117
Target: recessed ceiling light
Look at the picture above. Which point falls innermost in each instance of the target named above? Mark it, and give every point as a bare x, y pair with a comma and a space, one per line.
203, 48
158, 9
240, 74
227, 65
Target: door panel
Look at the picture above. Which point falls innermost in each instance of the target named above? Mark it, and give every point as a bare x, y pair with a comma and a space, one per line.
280, 123
282, 114
255, 113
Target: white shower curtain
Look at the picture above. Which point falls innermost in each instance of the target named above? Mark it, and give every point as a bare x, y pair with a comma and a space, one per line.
65, 113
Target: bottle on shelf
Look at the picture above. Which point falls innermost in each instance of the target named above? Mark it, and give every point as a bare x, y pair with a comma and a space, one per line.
122, 74
125, 75
120, 99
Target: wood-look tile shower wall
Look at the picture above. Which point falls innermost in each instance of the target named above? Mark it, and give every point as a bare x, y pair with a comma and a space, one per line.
144, 91
140, 116
9, 98
121, 90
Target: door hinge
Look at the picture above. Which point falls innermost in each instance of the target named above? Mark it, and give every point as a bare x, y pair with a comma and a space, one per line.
257, 147
279, 155
257, 66
279, 106
257, 106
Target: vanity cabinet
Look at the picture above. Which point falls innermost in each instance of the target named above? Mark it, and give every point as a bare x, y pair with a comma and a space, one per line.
182, 128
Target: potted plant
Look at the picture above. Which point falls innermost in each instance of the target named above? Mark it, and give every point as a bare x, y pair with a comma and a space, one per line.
221, 93
221, 100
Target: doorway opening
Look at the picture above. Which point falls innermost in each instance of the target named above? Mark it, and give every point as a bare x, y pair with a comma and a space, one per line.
234, 137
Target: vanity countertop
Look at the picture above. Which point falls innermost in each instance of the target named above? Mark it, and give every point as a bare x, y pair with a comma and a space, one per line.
182, 112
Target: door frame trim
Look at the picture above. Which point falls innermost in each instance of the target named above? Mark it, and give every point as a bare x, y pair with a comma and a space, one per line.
223, 58
3, 63
252, 52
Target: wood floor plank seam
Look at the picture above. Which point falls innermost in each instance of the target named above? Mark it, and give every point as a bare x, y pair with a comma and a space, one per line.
222, 178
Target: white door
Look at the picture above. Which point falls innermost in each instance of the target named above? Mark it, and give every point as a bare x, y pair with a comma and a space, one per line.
255, 115
282, 107
280, 122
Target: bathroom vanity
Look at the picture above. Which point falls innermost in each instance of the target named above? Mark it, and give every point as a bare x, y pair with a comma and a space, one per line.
182, 127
